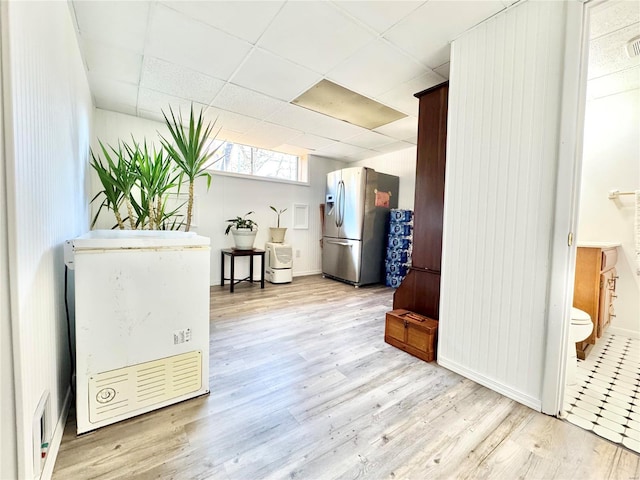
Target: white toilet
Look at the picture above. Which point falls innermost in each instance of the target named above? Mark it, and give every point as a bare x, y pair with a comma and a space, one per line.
580, 328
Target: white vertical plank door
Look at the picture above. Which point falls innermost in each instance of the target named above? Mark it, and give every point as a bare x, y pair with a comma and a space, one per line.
502, 161
47, 122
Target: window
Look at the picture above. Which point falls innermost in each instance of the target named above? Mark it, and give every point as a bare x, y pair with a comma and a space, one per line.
246, 160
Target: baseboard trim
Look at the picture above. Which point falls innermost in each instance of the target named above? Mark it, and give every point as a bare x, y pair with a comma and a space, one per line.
54, 446
305, 274
529, 401
624, 332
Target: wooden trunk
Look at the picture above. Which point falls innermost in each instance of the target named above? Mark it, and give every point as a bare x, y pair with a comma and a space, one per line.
420, 290
413, 333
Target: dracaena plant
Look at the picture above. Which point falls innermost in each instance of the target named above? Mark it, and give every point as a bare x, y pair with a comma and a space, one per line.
188, 147
156, 176
118, 179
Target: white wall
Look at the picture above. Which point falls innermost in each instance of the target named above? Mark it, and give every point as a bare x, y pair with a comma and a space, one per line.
231, 196
402, 164
8, 455
502, 152
611, 160
48, 111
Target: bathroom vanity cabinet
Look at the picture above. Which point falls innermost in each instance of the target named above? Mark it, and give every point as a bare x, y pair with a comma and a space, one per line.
595, 290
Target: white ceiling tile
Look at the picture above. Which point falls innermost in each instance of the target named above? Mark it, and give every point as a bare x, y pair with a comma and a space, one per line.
269, 135
339, 149
315, 123
112, 62
401, 97
613, 15
413, 139
426, 33
607, 53
403, 128
149, 115
120, 24
244, 19
443, 70
361, 155
380, 15
154, 101
615, 83
375, 68
314, 34
393, 147
112, 92
179, 81
179, 39
275, 76
229, 135
369, 139
247, 102
292, 149
230, 121
310, 141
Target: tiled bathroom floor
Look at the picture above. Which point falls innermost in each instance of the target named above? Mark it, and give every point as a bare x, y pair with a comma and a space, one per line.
606, 397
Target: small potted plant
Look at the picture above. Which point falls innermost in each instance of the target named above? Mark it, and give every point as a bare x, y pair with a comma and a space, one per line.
277, 233
244, 233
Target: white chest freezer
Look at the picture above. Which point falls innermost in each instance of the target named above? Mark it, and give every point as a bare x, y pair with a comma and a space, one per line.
141, 322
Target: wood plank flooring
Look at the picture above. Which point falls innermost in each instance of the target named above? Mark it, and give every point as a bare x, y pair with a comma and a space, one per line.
304, 387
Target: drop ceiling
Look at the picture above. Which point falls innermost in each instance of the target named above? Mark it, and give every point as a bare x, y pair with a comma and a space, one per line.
243, 62
611, 70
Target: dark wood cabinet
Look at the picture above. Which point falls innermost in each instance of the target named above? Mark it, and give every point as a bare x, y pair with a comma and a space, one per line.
420, 290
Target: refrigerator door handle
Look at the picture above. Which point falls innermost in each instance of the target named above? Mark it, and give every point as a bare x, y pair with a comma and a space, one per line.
344, 244
337, 207
341, 189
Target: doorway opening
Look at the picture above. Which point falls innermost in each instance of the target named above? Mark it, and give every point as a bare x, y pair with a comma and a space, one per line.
603, 395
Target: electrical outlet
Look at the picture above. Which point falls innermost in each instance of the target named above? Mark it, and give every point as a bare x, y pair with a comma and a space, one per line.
297, 253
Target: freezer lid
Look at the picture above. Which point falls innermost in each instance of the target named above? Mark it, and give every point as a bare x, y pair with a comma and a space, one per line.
119, 239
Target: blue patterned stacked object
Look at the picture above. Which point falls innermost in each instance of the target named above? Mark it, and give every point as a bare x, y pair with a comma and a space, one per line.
398, 257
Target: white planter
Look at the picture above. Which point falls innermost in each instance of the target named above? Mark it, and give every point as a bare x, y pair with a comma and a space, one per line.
244, 238
277, 234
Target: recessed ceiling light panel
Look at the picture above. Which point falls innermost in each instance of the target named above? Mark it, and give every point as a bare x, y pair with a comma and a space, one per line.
338, 102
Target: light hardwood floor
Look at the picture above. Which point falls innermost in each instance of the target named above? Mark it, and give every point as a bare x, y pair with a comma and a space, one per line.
304, 387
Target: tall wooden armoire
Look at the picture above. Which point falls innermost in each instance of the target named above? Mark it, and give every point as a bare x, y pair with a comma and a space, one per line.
420, 290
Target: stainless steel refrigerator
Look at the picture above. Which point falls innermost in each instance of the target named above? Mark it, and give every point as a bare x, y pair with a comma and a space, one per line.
356, 218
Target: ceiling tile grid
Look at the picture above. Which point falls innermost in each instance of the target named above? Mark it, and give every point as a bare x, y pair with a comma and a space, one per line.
246, 102
243, 61
119, 24
379, 15
315, 35
179, 39
112, 62
167, 77
375, 69
273, 75
243, 19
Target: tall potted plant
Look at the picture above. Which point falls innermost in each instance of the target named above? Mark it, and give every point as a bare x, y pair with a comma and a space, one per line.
188, 147
277, 233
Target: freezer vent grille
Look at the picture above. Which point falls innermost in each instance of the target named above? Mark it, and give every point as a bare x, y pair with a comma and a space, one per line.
127, 389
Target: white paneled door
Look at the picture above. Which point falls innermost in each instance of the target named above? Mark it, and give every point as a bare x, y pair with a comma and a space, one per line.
503, 154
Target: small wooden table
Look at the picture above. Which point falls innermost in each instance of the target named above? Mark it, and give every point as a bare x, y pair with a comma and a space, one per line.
232, 253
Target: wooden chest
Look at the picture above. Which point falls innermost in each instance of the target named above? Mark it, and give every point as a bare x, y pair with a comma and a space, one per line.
413, 333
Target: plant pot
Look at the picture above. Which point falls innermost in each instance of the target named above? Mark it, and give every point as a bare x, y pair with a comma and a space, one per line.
244, 238
277, 234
